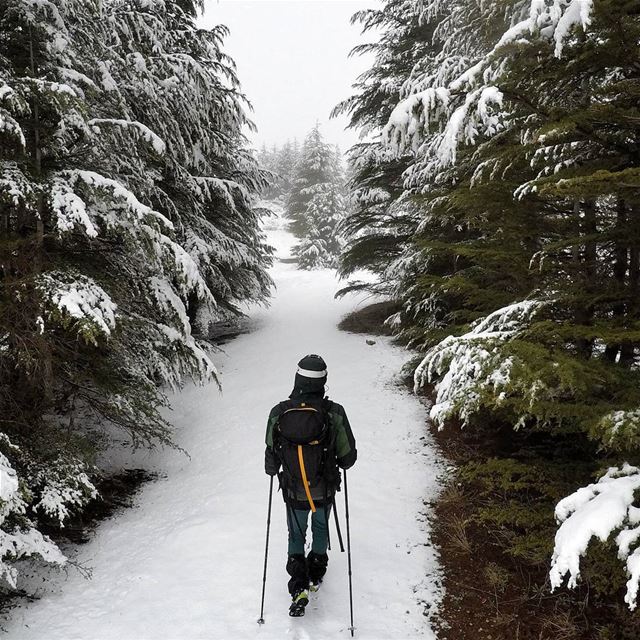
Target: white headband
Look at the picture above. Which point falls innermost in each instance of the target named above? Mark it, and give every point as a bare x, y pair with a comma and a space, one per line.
308, 373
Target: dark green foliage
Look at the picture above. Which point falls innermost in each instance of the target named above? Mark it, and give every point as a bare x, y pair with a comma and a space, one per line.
545, 207
506, 174
515, 500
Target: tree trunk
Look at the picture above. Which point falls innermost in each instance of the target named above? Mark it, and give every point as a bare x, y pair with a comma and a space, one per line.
587, 259
620, 265
45, 371
627, 350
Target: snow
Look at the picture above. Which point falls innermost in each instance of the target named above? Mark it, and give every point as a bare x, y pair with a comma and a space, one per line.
108, 82
436, 113
53, 87
599, 510
11, 127
69, 209
118, 192
60, 494
463, 365
73, 75
19, 542
8, 480
559, 18
81, 298
187, 561
14, 185
619, 425
410, 119
142, 130
169, 301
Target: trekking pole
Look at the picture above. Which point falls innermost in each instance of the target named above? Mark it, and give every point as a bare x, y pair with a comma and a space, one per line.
266, 553
346, 510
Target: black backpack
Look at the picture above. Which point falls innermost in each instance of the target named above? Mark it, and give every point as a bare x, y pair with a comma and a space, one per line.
305, 444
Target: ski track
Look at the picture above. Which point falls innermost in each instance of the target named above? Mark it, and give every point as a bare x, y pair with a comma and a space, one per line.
187, 561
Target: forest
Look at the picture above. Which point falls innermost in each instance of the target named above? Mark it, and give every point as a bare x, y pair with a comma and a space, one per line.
491, 210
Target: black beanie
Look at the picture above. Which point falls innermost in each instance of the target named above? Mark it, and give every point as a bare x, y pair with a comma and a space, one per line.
311, 375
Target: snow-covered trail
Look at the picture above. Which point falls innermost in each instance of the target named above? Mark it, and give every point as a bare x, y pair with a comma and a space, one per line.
187, 561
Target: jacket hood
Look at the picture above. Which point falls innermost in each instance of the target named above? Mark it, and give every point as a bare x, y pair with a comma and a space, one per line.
308, 386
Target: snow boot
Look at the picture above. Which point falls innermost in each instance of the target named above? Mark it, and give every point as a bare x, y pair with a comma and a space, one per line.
297, 569
300, 601
316, 567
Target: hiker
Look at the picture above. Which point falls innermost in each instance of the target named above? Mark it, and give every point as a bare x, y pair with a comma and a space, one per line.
308, 440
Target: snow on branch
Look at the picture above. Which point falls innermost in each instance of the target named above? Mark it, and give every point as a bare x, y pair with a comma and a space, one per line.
461, 109
69, 209
598, 511
65, 485
117, 191
76, 78
479, 114
34, 10
230, 192
10, 127
464, 366
80, 298
141, 130
50, 87
190, 279
619, 429
474, 117
412, 118
18, 541
557, 19
15, 188
171, 303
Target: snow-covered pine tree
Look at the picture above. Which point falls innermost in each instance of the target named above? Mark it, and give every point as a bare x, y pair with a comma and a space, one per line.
285, 166
548, 109
381, 221
316, 166
416, 239
317, 204
126, 216
575, 253
46, 317
323, 215
184, 88
268, 160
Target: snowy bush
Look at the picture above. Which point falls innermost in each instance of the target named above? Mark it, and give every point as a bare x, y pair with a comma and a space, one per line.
63, 485
598, 511
19, 537
465, 368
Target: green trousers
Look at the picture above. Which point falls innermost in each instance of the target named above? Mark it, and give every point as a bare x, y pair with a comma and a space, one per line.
297, 520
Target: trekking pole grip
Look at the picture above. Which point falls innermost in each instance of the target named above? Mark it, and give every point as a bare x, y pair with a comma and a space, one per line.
266, 554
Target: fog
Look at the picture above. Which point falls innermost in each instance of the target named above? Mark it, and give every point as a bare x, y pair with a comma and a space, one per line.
292, 59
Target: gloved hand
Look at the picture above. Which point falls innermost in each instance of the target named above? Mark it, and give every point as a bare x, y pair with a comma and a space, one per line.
271, 462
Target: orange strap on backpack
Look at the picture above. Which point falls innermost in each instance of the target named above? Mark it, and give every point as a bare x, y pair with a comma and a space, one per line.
305, 482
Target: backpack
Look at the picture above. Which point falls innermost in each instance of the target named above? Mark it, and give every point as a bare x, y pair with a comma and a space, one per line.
305, 445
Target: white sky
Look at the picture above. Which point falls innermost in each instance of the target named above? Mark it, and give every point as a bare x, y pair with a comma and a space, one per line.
292, 62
